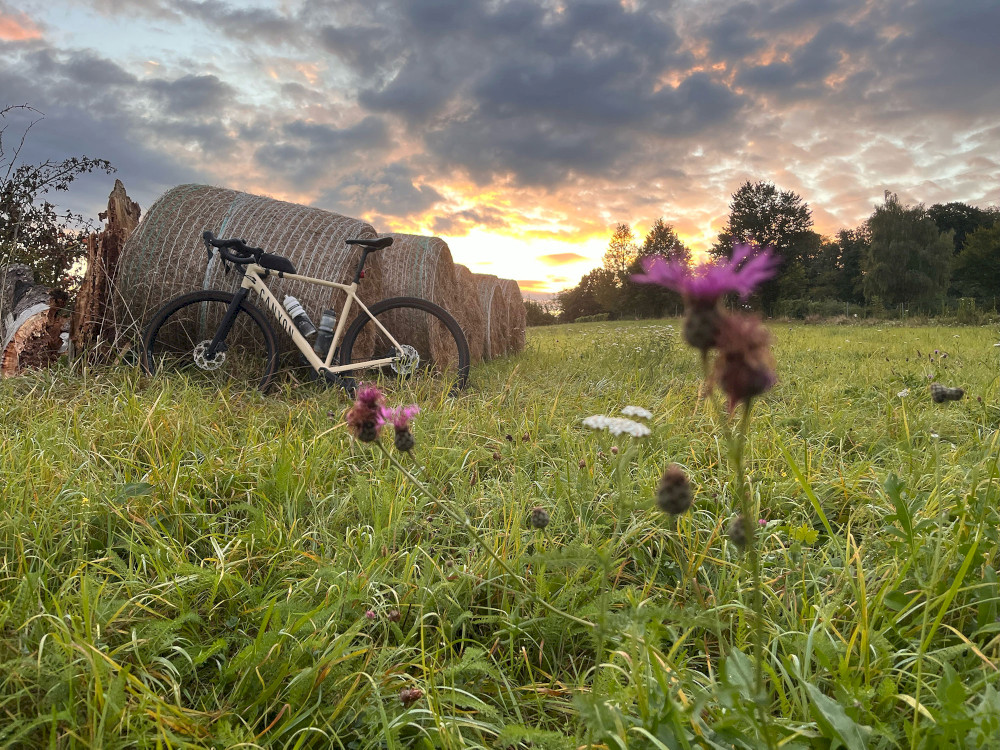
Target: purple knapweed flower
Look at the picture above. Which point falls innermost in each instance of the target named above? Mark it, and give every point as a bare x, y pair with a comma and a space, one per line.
708, 281
400, 419
702, 286
745, 365
363, 419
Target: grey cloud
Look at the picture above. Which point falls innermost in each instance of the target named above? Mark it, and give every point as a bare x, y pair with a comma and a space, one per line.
307, 151
363, 48
388, 190
810, 63
460, 222
250, 24
418, 92
192, 94
727, 36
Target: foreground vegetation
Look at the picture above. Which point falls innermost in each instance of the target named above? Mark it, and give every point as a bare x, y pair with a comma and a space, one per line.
186, 568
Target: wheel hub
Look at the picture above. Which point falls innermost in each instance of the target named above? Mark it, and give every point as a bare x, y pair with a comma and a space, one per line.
407, 362
201, 359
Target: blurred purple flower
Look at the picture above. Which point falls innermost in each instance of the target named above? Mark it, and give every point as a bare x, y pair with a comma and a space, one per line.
363, 419
707, 282
399, 417
369, 395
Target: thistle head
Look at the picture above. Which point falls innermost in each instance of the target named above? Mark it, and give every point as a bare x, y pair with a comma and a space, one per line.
539, 518
745, 365
673, 494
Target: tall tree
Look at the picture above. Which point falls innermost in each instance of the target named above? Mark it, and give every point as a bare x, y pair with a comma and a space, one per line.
962, 218
760, 214
663, 240
622, 251
652, 300
909, 260
596, 293
833, 272
977, 267
32, 230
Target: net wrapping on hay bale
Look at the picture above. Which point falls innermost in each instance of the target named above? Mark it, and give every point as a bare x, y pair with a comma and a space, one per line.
417, 266
517, 315
469, 312
165, 255
495, 312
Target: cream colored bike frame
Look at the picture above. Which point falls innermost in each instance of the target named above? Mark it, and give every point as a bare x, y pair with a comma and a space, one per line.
253, 279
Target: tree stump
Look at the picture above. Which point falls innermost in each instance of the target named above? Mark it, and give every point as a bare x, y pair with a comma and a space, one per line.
92, 328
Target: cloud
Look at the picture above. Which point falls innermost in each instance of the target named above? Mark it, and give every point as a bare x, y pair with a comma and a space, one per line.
540, 118
390, 190
305, 152
533, 286
16, 26
560, 259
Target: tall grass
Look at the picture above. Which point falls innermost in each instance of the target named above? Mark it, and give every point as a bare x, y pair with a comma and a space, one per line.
181, 567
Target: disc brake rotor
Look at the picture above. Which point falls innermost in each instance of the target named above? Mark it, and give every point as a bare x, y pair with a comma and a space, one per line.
406, 363
204, 362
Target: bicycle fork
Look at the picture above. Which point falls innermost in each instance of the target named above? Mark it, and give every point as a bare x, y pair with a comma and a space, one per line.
218, 343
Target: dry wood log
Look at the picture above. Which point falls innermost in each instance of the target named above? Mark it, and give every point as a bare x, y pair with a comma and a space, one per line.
93, 323
31, 326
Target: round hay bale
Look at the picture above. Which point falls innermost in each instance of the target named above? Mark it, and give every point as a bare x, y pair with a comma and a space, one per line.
517, 315
165, 255
469, 312
417, 266
494, 311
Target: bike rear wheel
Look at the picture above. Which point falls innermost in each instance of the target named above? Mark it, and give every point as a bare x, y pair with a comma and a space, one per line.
178, 335
436, 352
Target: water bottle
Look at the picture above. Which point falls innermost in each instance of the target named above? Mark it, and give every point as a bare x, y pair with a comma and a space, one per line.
327, 324
299, 316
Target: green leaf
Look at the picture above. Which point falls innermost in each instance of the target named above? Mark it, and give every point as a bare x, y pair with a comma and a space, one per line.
834, 722
737, 672
893, 487
133, 489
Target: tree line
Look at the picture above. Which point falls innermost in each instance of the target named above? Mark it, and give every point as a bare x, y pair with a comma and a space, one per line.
920, 259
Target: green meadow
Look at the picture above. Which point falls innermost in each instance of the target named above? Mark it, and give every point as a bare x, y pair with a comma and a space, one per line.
187, 568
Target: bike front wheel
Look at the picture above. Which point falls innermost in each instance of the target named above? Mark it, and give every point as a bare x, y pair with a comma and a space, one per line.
177, 339
434, 348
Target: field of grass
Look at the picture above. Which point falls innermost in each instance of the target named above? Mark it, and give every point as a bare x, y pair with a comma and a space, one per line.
181, 567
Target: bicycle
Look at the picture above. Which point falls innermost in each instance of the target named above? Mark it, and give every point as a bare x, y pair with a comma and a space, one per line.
224, 336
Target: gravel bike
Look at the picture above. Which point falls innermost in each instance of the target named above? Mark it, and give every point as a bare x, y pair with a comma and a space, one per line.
224, 337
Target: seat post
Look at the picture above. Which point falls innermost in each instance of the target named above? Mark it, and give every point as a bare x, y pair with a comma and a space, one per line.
361, 264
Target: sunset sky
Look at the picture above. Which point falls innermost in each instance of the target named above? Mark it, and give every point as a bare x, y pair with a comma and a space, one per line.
519, 131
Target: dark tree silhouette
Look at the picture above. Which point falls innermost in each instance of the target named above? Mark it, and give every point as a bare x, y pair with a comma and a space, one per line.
762, 215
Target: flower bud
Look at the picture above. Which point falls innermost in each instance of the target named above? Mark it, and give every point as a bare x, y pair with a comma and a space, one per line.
673, 495
739, 531
404, 440
409, 696
539, 517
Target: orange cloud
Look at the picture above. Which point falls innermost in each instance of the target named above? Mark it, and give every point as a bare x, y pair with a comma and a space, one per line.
531, 285
560, 259
17, 27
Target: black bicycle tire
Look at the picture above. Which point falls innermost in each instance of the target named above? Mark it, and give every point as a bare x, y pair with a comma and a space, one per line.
211, 295
395, 303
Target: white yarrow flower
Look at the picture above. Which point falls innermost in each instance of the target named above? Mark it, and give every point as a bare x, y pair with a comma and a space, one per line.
904, 393
616, 425
637, 411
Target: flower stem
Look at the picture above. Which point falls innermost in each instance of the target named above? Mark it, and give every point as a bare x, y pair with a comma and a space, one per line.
467, 524
749, 513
